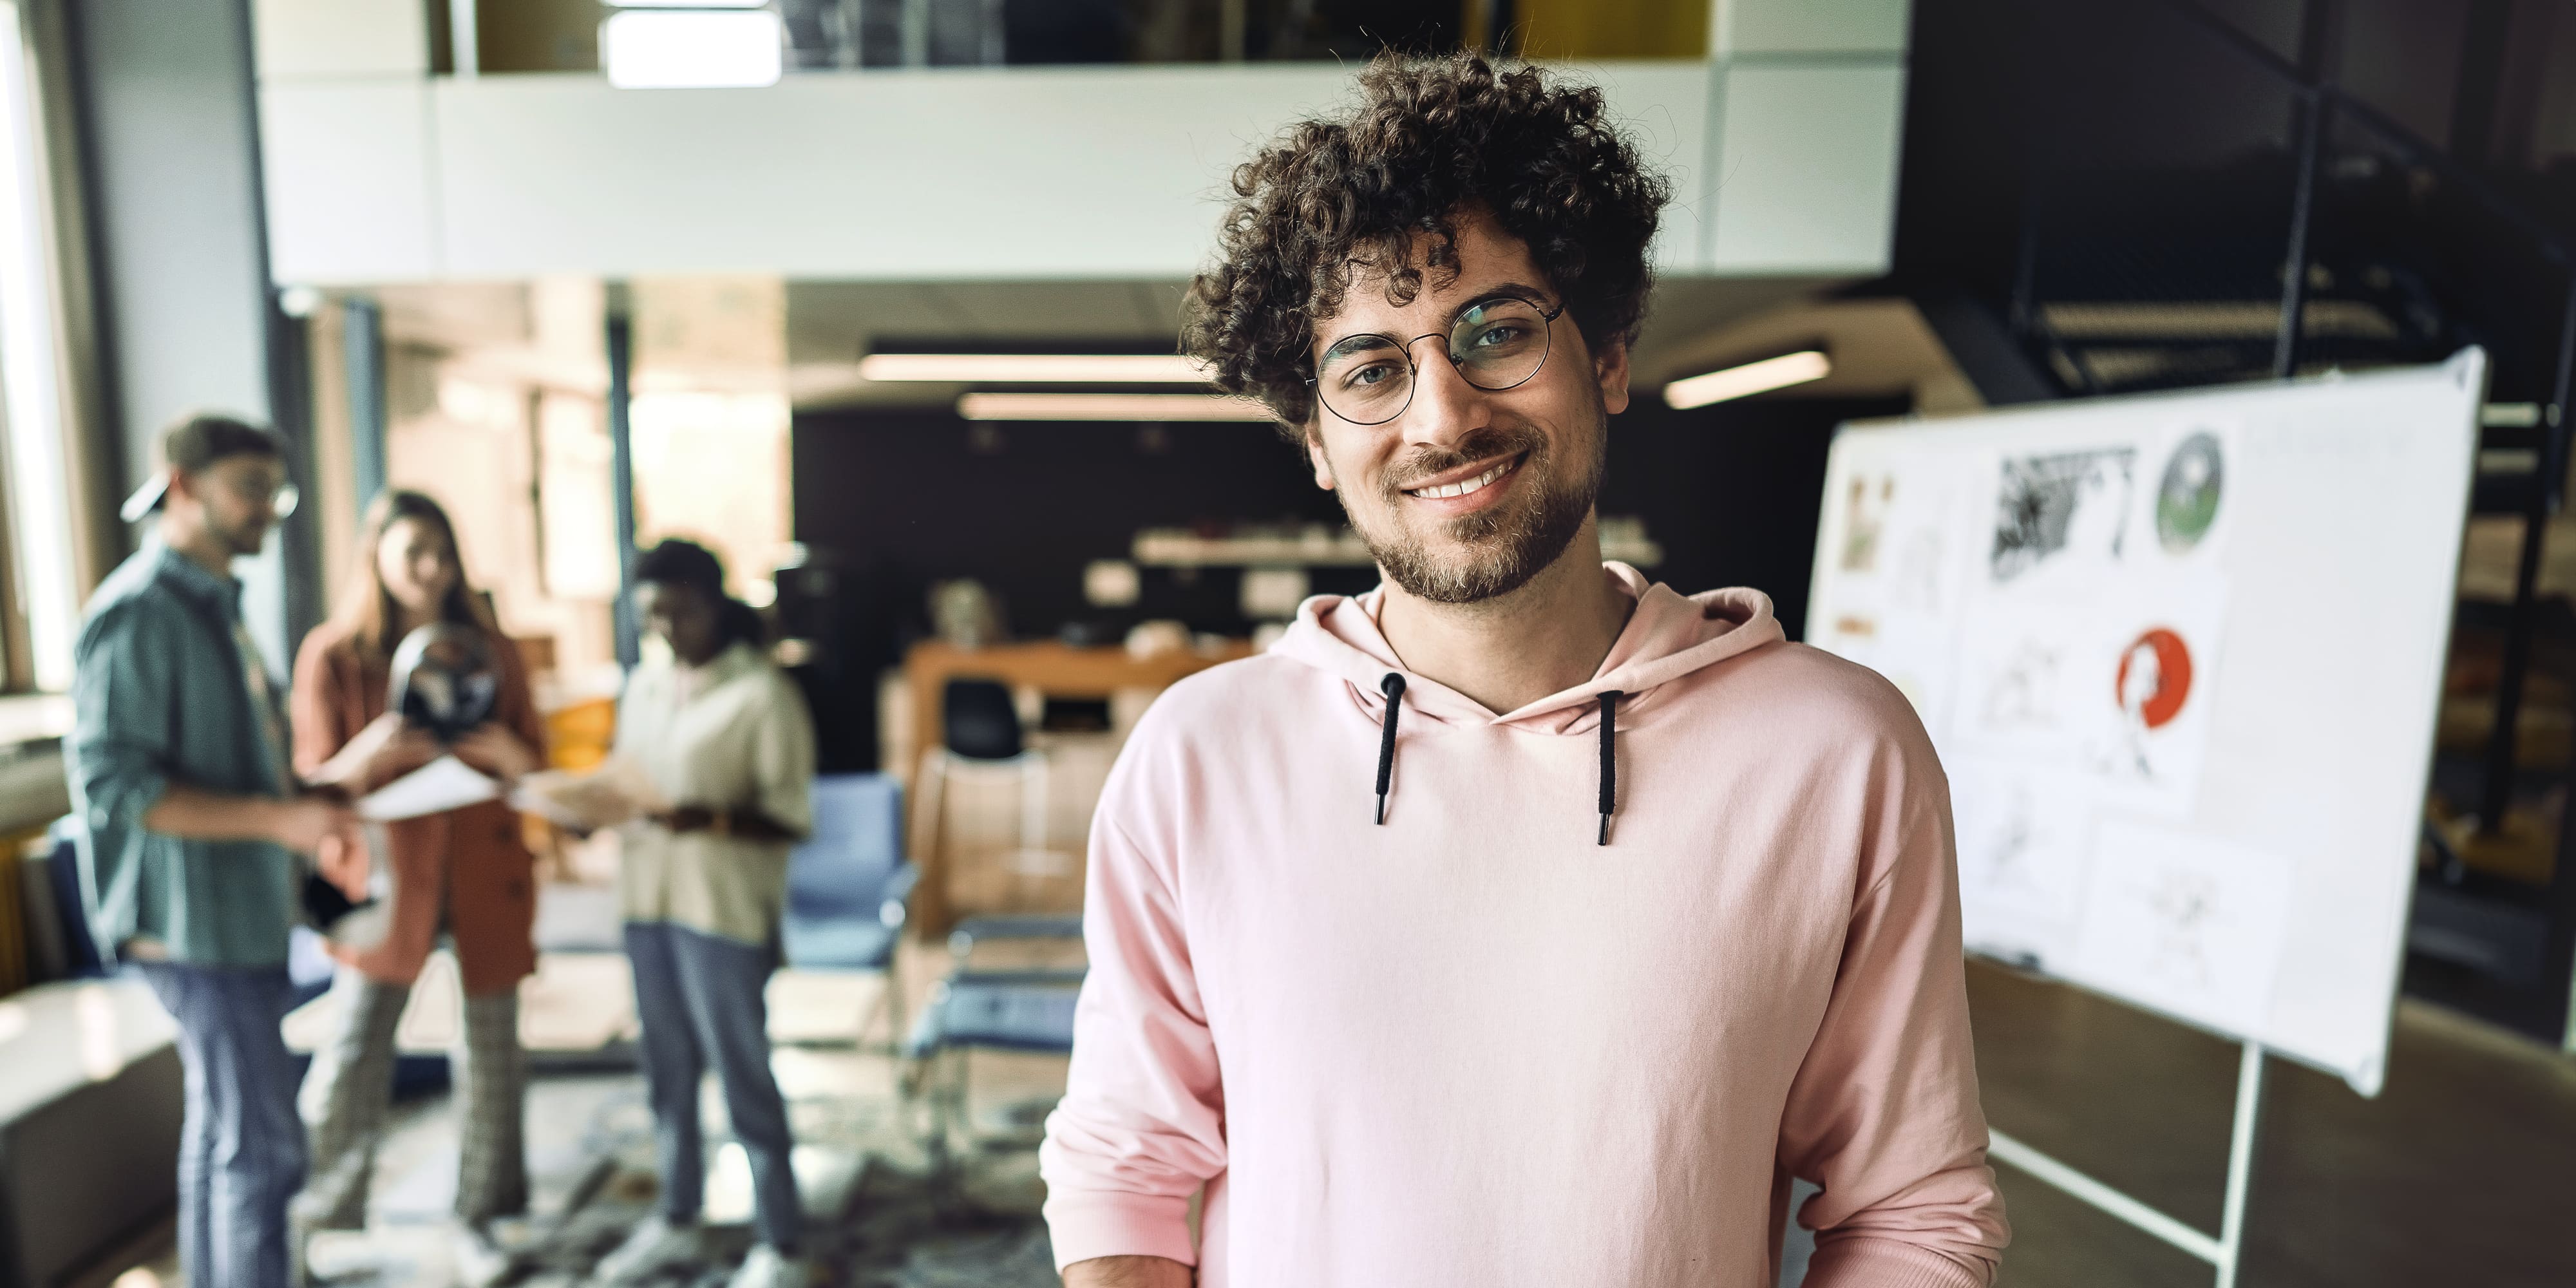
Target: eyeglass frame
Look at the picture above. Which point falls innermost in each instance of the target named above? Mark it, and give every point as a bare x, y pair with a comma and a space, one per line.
1547, 315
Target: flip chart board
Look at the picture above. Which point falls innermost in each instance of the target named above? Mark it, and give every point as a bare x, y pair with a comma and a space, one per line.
2182, 655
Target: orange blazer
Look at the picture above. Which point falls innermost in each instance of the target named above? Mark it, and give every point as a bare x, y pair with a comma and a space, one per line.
466, 871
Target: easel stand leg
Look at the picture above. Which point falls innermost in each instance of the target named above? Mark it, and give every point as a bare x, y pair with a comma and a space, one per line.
2240, 1162
2220, 1252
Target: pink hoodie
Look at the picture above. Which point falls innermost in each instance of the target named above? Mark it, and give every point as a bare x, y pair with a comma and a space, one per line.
1473, 1047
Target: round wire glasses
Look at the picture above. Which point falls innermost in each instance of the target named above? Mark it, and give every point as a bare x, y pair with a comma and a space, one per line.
1495, 343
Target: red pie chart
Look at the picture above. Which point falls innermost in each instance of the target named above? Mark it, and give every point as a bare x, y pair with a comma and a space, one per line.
2172, 675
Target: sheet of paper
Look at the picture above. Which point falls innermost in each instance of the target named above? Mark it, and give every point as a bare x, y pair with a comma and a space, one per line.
2185, 923
441, 785
611, 794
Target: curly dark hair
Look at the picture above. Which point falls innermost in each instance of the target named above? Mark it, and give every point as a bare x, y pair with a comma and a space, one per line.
1429, 139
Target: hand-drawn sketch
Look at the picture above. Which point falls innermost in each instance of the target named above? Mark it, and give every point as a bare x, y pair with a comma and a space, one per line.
1865, 520
2021, 693
2183, 923
2187, 499
2024, 837
2025, 677
2070, 507
1893, 564
1917, 574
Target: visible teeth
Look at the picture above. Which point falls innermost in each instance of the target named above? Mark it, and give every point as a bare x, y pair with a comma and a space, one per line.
1476, 484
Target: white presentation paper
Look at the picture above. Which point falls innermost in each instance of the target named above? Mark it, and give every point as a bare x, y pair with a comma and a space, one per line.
2181, 772
441, 785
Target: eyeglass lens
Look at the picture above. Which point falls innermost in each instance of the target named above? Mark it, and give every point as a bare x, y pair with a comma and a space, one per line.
1495, 344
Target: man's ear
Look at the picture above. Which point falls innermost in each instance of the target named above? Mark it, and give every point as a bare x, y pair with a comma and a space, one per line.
1610, 368
1315, 453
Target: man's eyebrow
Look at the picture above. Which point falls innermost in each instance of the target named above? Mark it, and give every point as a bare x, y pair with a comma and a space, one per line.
1521, 289
1355, 342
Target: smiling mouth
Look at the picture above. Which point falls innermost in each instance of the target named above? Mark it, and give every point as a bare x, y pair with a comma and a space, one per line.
1470, 486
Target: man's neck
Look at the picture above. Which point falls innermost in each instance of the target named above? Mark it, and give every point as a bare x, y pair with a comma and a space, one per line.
199, 546
1548, 636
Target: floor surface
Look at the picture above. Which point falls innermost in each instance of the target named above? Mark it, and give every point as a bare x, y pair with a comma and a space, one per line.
2463, 1171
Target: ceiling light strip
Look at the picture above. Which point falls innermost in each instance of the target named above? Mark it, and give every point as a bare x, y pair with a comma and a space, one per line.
1749, 379
1160, 407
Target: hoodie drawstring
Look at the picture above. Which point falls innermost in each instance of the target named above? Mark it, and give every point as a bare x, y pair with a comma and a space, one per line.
1609, 759
1393, 687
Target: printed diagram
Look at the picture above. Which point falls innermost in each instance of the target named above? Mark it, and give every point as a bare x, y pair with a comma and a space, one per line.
2065, 510
2187, 499
2185, 924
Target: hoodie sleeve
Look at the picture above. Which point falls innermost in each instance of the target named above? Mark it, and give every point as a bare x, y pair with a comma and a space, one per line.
1142, 1124
1884, 1113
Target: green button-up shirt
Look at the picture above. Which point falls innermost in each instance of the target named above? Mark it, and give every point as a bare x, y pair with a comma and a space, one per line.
162, 693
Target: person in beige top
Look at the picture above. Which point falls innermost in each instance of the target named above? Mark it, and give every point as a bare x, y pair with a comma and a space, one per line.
726, 740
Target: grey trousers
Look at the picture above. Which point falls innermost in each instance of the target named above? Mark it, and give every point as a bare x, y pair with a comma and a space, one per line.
241, 1152
701, 1002
348, 1095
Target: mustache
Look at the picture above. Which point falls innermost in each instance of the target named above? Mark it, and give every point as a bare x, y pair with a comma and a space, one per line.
1486, 443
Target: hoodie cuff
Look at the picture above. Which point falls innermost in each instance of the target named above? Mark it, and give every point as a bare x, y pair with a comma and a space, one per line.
1889, 1263
1114, 1223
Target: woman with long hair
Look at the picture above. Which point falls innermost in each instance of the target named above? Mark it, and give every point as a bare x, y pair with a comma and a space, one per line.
729, 747
465, 874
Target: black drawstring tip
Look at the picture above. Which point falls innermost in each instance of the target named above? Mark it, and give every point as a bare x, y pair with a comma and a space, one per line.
1393, 687
1609, 760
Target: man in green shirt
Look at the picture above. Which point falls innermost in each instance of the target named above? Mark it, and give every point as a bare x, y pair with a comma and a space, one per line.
191, 827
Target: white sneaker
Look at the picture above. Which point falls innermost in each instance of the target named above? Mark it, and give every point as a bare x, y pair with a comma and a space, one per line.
767, 1267
655, 1246
478, 1259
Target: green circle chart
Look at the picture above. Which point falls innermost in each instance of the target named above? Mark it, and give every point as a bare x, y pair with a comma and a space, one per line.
2187, 501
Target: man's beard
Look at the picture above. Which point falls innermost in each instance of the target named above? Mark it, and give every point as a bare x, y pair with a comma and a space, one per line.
243, 541
1507, 544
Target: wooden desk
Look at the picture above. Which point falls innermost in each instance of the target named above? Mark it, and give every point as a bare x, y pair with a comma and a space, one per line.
1057, 670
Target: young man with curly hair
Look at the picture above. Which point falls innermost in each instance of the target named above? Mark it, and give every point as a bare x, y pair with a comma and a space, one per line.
1521, 922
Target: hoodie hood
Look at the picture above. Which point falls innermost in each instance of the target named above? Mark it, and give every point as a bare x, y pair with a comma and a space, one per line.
1668, 636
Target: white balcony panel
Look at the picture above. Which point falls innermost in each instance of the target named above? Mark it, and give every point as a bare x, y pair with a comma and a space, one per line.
966, 174
306, 38
1808, 157
1757, 27
347, 172
946, 174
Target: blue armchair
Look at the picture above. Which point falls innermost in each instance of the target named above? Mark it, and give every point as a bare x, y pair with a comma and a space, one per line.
849, 887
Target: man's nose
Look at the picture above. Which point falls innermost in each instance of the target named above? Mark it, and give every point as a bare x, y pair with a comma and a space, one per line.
1445, 408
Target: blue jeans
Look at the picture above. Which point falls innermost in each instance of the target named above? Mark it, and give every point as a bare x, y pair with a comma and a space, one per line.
700, 1000
241, 1147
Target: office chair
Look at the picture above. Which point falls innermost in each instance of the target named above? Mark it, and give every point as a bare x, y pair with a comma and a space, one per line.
1020, 1009
982, 743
